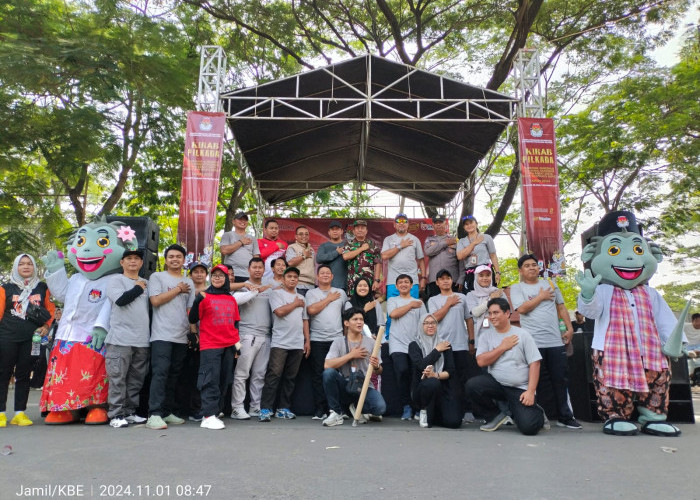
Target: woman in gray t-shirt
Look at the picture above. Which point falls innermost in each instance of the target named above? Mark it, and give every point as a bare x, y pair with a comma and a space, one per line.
476, 249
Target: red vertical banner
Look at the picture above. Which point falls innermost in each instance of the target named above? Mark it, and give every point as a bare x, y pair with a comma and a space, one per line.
201, 168
540, 183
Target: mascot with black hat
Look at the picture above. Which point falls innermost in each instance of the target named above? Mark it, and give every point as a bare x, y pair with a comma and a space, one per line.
633, 325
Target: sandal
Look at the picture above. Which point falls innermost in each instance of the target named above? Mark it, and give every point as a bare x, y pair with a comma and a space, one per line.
610, 428
648, 429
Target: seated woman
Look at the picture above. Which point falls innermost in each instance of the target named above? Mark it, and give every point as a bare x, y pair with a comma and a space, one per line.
434, 367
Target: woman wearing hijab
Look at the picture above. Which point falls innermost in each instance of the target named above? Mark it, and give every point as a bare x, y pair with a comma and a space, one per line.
479, 297
217, 313
16, 331
363, 299
434, 368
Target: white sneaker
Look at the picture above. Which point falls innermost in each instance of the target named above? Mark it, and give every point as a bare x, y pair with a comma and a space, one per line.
118, 422
173, 419
212, 423
239, 414
423, 418
135, 419
468, 418
333, 420
546, 426
364, 417
254, 412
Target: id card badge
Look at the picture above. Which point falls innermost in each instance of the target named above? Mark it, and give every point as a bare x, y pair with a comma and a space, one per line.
485, 323
472, 260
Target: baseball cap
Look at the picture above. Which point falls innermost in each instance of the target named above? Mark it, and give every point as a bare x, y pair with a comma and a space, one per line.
468, 218
292, 270
443, 272
335, 223
360, 222
482, 268
137, 251
439, 219
197, 263
241, 215
401, 216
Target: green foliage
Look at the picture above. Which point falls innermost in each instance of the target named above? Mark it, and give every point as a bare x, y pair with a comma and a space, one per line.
677, 294
567, 284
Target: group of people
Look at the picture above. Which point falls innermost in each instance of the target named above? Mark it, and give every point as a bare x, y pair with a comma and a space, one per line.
245, 326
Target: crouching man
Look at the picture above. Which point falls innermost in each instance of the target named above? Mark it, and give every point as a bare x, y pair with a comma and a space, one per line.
349, 354
514, 368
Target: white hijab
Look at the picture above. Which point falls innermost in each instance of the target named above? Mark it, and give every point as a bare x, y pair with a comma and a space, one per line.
26, 285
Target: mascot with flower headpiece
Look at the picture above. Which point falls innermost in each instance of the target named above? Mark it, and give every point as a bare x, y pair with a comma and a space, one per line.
76, 378
635, 331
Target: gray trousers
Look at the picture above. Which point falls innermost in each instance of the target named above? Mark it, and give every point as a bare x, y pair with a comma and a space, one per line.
255, 352
126, 368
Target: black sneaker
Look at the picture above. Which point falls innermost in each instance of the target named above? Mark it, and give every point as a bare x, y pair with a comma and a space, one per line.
569, 423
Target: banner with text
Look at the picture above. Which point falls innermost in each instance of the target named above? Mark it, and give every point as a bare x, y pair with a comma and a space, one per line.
540, 185
204, 142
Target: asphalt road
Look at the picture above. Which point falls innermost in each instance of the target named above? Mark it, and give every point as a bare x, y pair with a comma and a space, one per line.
302, 459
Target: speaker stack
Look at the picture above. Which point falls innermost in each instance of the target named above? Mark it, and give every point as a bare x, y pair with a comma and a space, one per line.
147, 235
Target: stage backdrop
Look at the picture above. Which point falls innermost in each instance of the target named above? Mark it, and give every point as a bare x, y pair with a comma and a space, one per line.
200, 179
377, 229
540, 182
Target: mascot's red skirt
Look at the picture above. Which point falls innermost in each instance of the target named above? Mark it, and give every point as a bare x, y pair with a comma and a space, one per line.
75, 378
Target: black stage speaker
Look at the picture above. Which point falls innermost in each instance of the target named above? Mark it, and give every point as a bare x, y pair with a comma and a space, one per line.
147, 234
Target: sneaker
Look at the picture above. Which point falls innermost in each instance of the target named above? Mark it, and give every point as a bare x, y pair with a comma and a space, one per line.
212, 423
333, 420
375, 418
174, 419
509, 421
319, 415
3, 420
156, 422
265, 415
364, 417
196, 417
423, 418
134, 419
569, 423
495, 424
239, 414
407, 413
546, 425
468, 418
285, 414
21, 420
254, 412
118, 422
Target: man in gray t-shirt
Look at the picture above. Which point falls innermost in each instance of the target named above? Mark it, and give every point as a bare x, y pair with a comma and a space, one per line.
403, 253
290, 342
324, 306
541, 306
238, 247
171, 294
514, 368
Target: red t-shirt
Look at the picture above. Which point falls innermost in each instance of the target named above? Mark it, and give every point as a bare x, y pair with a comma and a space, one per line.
217, 321
268, 247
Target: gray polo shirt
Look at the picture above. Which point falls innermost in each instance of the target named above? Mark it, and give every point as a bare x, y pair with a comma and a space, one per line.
287, 331
480, 254
240, 258
543, 321
404, 330
170, 322
328, 254
512, 369
441, 257
327, 325
403, 262
452, 327
256, 315
129, 323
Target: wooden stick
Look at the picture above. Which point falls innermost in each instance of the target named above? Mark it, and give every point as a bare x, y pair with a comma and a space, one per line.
368, 375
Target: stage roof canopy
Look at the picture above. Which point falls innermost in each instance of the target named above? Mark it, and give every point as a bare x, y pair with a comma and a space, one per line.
369, 120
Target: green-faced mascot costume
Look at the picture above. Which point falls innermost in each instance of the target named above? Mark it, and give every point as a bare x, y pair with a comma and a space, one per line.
76, 376
633, 324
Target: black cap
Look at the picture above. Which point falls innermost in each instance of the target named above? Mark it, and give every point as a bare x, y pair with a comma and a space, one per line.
335, 223
197, 263
617, 222
438, 219
137, 251
241, 215
443, 272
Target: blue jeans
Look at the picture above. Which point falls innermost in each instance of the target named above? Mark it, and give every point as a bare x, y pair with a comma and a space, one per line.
392, 291
338, 398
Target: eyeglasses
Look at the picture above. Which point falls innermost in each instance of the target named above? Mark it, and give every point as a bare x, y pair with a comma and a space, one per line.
429, 323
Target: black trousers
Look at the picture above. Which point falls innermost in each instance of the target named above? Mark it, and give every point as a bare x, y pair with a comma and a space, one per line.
555, 364
282, 369
215, 375
402, 372
15, 357
439, 401
485, 390
316, 359
187, 395
166, 363
465, 368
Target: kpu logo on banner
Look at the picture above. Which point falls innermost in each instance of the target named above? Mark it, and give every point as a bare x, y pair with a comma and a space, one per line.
206, 124
536, 130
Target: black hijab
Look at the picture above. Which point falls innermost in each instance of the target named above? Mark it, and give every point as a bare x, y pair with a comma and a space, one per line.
361, 302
